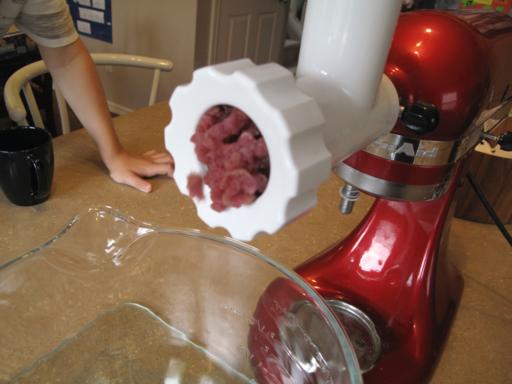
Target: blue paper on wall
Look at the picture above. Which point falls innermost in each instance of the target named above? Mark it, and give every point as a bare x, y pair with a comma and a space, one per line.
92, 18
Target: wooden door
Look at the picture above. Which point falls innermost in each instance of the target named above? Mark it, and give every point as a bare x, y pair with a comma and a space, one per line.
247, 28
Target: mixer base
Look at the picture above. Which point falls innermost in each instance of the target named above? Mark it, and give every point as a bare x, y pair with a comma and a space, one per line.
393, 267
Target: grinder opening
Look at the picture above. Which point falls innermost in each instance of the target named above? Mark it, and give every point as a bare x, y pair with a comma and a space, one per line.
235, 156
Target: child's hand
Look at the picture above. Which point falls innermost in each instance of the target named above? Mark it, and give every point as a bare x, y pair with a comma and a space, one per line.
130, 169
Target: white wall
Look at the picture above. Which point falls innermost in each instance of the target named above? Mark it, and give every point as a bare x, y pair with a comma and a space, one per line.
157, 28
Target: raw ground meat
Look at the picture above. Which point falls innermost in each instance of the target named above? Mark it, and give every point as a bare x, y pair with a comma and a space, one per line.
195, 186
232, 148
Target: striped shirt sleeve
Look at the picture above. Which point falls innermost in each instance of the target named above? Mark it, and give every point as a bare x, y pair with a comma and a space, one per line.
47, 22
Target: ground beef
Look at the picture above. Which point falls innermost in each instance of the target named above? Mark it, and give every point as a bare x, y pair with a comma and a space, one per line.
236, 156
195, 186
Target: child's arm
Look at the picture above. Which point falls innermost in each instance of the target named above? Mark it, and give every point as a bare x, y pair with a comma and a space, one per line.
75, 74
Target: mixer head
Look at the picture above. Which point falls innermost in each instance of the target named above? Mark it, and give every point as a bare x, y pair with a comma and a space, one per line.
448, 68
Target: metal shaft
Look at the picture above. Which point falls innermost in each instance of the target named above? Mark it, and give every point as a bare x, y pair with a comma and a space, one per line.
349, 195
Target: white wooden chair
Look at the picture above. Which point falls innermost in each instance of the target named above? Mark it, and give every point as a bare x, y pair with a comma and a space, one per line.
19, 82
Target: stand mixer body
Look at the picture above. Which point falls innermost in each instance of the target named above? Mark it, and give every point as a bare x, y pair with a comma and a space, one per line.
392, 267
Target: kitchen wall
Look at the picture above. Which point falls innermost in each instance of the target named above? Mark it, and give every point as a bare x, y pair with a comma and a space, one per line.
158, 28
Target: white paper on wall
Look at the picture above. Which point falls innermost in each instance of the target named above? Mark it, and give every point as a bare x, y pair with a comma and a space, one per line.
86, 3
92, 15
98, 4
83, 26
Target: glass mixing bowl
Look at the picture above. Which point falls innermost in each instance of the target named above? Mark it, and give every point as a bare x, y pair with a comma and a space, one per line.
113, 300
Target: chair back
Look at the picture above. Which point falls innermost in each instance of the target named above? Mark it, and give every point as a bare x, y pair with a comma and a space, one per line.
19, 82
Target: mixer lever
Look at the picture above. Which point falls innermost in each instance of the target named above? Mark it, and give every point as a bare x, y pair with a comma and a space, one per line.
420, 117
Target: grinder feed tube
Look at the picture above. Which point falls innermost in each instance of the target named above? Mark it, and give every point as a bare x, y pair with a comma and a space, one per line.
252, 144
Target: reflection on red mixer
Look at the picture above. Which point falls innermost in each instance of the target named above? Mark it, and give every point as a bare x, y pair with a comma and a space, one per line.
389, 281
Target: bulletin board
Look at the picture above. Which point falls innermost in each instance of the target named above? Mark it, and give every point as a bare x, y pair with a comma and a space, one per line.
92, 18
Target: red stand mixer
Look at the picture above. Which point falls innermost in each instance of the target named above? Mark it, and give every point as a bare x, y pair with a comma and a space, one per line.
452, 73
447, 79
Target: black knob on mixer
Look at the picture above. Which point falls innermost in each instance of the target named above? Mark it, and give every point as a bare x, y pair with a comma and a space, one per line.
420, 117
505, 141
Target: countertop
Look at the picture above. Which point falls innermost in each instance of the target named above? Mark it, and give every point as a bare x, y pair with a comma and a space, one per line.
479, 347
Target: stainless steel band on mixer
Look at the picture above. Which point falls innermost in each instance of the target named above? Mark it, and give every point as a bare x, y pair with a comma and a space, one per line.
389, 189
423, 152
413, 151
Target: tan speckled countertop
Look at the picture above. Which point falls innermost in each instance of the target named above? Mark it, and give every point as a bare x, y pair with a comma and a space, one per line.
479, 348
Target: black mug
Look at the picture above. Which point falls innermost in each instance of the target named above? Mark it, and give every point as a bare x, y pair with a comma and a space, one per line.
26, 164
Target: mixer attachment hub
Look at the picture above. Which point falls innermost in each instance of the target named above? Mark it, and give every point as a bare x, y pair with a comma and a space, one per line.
362, 333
